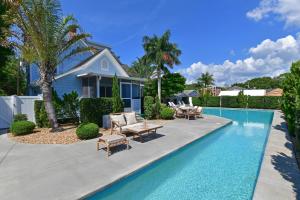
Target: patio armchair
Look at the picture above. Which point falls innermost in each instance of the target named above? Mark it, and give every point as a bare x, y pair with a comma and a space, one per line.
191, 113
179, 113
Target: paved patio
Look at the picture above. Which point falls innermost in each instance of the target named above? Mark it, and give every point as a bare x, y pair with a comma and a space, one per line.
279, 176
72, 171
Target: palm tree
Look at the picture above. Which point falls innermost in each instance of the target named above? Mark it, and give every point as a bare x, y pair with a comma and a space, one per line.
42, 35
141, 68
162, 54
205, 80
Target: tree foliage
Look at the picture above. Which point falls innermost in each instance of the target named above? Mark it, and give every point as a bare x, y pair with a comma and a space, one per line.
117, 103
172, 83
5, 50
262, 83
42, 35
141, 68
291, 101
162, 54
205, 80
9, 74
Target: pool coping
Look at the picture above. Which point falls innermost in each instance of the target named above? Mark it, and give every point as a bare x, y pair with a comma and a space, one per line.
144, 165
279, 176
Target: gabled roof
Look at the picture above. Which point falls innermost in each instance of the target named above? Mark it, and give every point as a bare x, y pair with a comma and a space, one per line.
83, 64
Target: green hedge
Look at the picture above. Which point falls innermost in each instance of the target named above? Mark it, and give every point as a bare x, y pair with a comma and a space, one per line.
22, 127
87, 131
20, 117
264, 102
92, 109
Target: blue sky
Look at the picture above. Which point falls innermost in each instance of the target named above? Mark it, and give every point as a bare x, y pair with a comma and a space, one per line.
209, 32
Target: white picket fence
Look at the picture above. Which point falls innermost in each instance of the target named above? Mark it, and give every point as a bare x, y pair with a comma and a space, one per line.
12, 105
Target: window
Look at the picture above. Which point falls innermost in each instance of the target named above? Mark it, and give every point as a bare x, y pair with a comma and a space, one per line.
126, 94
105, 91
104, 65
136, 92
89, 87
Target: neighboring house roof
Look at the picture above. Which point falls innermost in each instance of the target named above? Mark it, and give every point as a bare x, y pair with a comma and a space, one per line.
275, 92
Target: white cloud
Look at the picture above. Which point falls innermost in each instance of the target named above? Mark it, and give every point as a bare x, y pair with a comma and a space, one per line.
269, 58
287, 11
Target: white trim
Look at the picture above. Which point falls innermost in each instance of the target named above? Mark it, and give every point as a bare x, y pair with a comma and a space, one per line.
85, 65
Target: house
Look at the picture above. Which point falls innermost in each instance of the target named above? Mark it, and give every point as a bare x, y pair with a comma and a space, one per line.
254, 92
90, 74
275, 92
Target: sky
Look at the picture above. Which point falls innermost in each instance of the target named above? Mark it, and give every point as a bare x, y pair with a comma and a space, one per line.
232, 39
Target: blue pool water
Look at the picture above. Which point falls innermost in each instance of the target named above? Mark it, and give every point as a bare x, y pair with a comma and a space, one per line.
222, 165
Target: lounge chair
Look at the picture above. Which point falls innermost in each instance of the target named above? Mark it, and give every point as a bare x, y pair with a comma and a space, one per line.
128, 122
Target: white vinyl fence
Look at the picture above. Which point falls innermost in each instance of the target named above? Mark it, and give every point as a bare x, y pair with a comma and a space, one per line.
12, 105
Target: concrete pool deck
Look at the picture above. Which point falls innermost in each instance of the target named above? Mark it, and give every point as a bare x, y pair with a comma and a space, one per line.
72, 171
279, 176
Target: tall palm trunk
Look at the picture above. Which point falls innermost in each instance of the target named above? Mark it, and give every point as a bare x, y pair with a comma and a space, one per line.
45, 84
159, 83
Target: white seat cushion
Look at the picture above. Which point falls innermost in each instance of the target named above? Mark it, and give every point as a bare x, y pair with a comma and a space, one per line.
130, 118
118, 118
112, 138
125, 128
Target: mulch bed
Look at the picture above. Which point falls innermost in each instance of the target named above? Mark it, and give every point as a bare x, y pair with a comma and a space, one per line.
44, 136
67, 136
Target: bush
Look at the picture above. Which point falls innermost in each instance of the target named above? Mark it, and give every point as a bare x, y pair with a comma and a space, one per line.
70, 104
167, 113
20, 117
156, 108
148, 109
92, 110
264, 102
41, 117
22, 127
87, 131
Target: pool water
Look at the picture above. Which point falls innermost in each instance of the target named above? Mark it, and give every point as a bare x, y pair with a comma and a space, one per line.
222, 165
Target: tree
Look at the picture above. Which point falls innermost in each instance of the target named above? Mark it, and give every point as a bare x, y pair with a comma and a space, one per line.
5, 50
141, 68
160, 52
117, 103
205, 80
9, 74
42, 35
172, 83
262, 83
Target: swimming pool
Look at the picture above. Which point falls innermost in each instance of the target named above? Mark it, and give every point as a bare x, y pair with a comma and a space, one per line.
221, 165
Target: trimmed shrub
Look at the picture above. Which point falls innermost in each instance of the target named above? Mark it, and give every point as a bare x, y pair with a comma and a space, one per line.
20, 117
87, 131
22, 127
148, 106
41, 117
156, 108
167, 113
92, 110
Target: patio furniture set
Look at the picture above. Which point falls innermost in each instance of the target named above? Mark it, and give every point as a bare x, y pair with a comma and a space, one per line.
122, 123
186, 111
